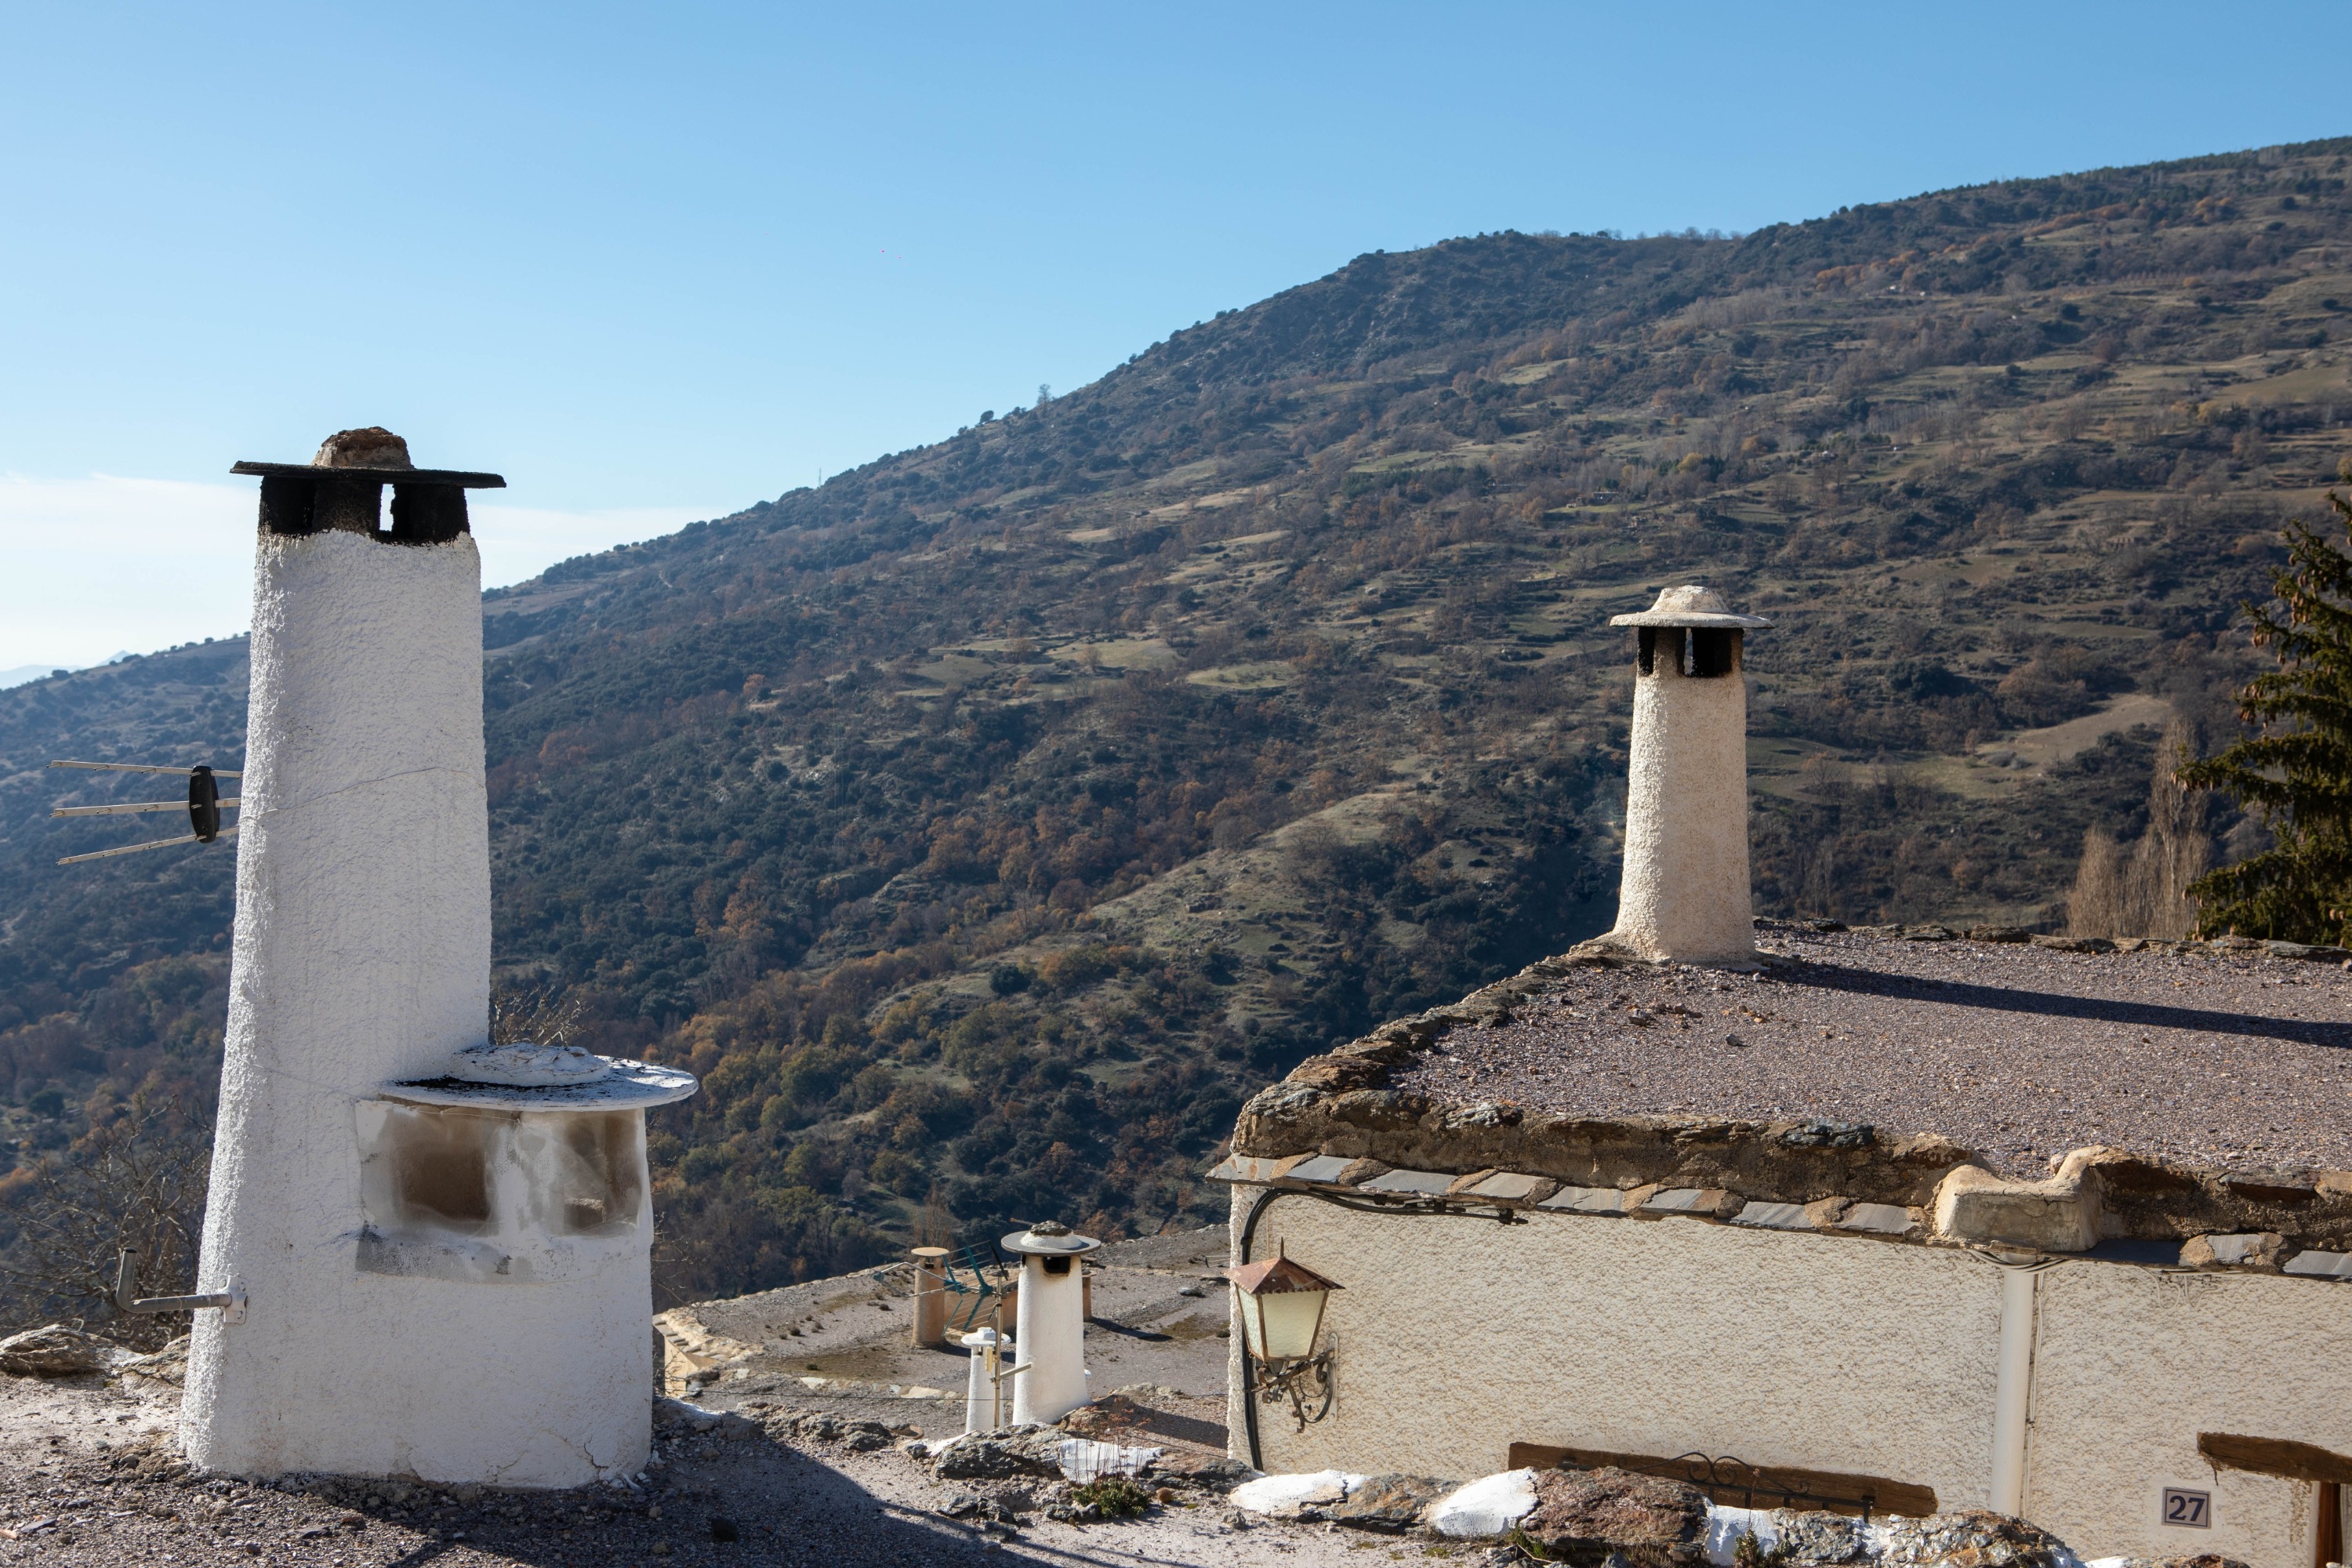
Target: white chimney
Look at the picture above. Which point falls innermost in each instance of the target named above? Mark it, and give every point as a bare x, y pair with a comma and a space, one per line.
1685, 894
1051, 1324
443, 1248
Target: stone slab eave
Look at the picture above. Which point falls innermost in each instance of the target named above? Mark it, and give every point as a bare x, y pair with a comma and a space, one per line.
1338, 1120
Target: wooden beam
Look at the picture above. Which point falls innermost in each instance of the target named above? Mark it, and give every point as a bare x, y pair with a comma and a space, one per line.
2274, 1457
1737, 1484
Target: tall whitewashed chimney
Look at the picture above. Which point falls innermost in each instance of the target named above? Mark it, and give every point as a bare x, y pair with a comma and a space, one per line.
444, 1248
1686, 891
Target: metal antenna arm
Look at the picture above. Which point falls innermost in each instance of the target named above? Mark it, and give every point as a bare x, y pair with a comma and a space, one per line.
142, 768
135, 848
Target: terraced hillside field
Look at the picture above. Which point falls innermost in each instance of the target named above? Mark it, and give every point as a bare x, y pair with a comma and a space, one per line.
984, 824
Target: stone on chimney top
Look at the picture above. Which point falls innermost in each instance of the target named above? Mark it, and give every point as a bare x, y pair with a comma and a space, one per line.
373, 446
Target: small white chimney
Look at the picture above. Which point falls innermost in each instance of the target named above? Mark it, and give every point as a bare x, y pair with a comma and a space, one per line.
1051, 1332
444, 1248
1685, 896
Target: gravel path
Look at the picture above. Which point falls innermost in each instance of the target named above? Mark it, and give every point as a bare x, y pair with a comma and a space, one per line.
2021, 1053
86, 1481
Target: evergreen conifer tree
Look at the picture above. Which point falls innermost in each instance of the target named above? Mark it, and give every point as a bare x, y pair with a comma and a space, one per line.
2296, 773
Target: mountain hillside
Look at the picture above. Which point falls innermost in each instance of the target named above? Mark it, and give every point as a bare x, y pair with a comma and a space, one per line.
984, 824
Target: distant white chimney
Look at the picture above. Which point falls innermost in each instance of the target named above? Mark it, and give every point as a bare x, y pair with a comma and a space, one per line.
444, 1247
1051, 1322
1685, 892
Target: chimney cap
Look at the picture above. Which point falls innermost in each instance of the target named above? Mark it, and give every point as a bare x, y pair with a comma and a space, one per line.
1689, 606
1049, 1239
369, 453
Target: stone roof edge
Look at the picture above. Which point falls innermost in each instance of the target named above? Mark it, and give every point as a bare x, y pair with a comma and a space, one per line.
1340, 1104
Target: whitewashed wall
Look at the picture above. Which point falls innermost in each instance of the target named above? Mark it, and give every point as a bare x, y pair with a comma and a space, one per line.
2131, 1364
1457, 1337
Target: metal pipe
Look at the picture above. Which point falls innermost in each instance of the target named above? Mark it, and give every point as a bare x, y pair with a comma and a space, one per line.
2012, 1400
135, 848
134, 807
231, 1301
142, 768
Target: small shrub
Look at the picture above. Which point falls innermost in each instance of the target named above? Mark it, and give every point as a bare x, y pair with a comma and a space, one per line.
1113, 1496
1750, 1552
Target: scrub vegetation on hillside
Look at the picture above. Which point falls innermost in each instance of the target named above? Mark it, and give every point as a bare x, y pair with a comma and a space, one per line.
985, 824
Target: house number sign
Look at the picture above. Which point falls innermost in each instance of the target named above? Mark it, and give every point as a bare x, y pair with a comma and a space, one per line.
2193, 1510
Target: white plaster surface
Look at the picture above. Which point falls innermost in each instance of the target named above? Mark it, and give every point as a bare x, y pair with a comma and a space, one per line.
2130, 1364
1454, 1338
1287, 1493
1050, 1328
1685, 891
361, 955
1488, 1506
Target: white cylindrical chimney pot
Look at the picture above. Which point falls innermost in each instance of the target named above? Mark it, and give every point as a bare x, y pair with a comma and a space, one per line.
1051, 1332
1685, 894
980, 1398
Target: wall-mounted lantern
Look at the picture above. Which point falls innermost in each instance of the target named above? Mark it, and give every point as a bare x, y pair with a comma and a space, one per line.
1281, 1307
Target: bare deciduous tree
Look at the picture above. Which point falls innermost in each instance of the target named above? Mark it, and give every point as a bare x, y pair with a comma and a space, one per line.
138, 1180
2145, 892
534, 1018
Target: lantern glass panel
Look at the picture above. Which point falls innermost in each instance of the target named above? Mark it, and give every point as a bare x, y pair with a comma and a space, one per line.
1253, 1325
1290, 1320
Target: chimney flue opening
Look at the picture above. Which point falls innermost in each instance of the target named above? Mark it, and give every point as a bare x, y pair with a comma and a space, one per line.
1713, 651
1647, 657
1696, 653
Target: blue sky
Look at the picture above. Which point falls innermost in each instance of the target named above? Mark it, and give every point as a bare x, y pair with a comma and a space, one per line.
656, 263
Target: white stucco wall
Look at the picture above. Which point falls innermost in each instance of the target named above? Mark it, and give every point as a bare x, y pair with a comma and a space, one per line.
1457, 1337
362, 954
2130, 1364
1685, 888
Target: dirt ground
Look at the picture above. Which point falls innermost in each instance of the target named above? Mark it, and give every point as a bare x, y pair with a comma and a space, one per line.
89, 1477
85, 1479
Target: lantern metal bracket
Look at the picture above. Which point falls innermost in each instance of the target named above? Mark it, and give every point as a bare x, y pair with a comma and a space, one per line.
1302, 1380
1453, 1208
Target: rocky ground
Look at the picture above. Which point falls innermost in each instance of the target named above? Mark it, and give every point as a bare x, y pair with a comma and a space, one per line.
793, 1451
88, 1478
845, 1347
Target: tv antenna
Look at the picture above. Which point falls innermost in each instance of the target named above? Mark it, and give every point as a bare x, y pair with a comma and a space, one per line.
204, 807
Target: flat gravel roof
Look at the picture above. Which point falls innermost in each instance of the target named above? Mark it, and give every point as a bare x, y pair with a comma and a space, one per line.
2019, 1053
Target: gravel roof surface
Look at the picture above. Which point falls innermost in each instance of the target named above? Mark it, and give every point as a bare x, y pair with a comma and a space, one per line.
2019, 1053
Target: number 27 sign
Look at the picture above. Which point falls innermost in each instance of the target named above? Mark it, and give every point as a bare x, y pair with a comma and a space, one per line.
2192, 1510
